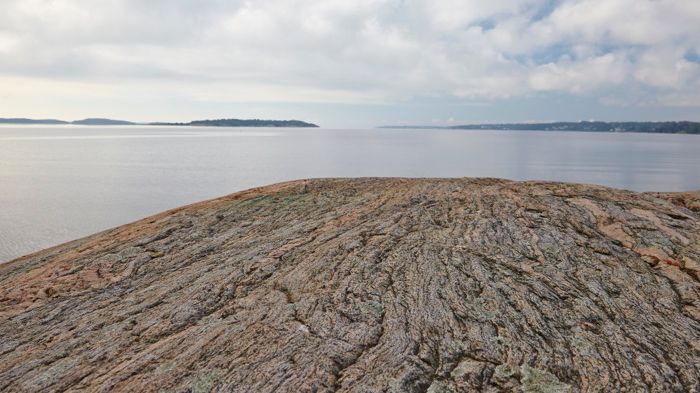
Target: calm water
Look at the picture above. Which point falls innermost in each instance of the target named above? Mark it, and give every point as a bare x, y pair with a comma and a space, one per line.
63, 182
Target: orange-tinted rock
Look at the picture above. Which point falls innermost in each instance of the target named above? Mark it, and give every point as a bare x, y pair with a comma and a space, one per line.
368, 285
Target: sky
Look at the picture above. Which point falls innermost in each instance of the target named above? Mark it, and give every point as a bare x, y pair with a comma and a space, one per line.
359, 63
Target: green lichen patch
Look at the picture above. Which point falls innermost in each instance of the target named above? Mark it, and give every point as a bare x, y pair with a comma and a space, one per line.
440, 387
505, 371
539, 381
255, 200
372, 307
206, 381
466, 367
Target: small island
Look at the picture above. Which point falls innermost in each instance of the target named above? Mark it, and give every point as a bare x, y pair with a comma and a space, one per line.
102, 122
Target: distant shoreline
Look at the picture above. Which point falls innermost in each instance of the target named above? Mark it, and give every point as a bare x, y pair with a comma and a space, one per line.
666, 127
194, 123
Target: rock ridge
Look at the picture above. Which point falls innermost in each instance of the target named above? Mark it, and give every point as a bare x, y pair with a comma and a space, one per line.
369, 285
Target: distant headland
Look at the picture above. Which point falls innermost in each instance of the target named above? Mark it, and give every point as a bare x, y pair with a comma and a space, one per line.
665, 127
31, 121
195, 123
240, 123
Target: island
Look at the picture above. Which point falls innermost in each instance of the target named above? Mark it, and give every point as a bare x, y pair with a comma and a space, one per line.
194, 123
102, 122
240, 123
369, 285
666, 127
31, 121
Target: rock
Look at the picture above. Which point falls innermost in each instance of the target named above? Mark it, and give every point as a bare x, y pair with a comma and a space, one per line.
368, 285
538, 381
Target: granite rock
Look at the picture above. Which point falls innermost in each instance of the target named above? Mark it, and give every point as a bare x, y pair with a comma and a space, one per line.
368, 285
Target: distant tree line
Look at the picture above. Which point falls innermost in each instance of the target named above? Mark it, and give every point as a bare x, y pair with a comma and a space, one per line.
666, 127
241, 123
32, 121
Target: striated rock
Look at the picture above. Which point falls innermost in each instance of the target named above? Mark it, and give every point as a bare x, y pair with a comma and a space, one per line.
369, 285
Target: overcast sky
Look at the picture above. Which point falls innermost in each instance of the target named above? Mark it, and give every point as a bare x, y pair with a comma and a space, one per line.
351, 63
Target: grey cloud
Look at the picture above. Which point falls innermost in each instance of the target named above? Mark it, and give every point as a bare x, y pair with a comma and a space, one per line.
365, 50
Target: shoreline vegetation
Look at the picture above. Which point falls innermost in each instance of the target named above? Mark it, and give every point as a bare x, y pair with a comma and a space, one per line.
661, 127
194, 123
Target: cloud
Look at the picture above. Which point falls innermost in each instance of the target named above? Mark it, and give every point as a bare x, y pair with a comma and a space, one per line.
665, 68
582, 75
378, 51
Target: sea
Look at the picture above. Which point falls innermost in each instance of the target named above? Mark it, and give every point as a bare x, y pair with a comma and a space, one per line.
59, 183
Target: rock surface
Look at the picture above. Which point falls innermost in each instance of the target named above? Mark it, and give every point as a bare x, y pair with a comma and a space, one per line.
369, 285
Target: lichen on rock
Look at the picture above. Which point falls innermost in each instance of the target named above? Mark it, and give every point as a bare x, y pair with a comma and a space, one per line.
539, 381
369, 285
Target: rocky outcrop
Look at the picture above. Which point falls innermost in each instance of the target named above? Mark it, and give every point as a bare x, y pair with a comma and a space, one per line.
368, 285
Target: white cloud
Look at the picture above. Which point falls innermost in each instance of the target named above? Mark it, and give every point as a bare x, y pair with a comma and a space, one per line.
355, 51
665, 68
8, 42
580, 76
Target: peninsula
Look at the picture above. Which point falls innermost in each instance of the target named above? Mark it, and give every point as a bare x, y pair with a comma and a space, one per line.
369, 285
667, 127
